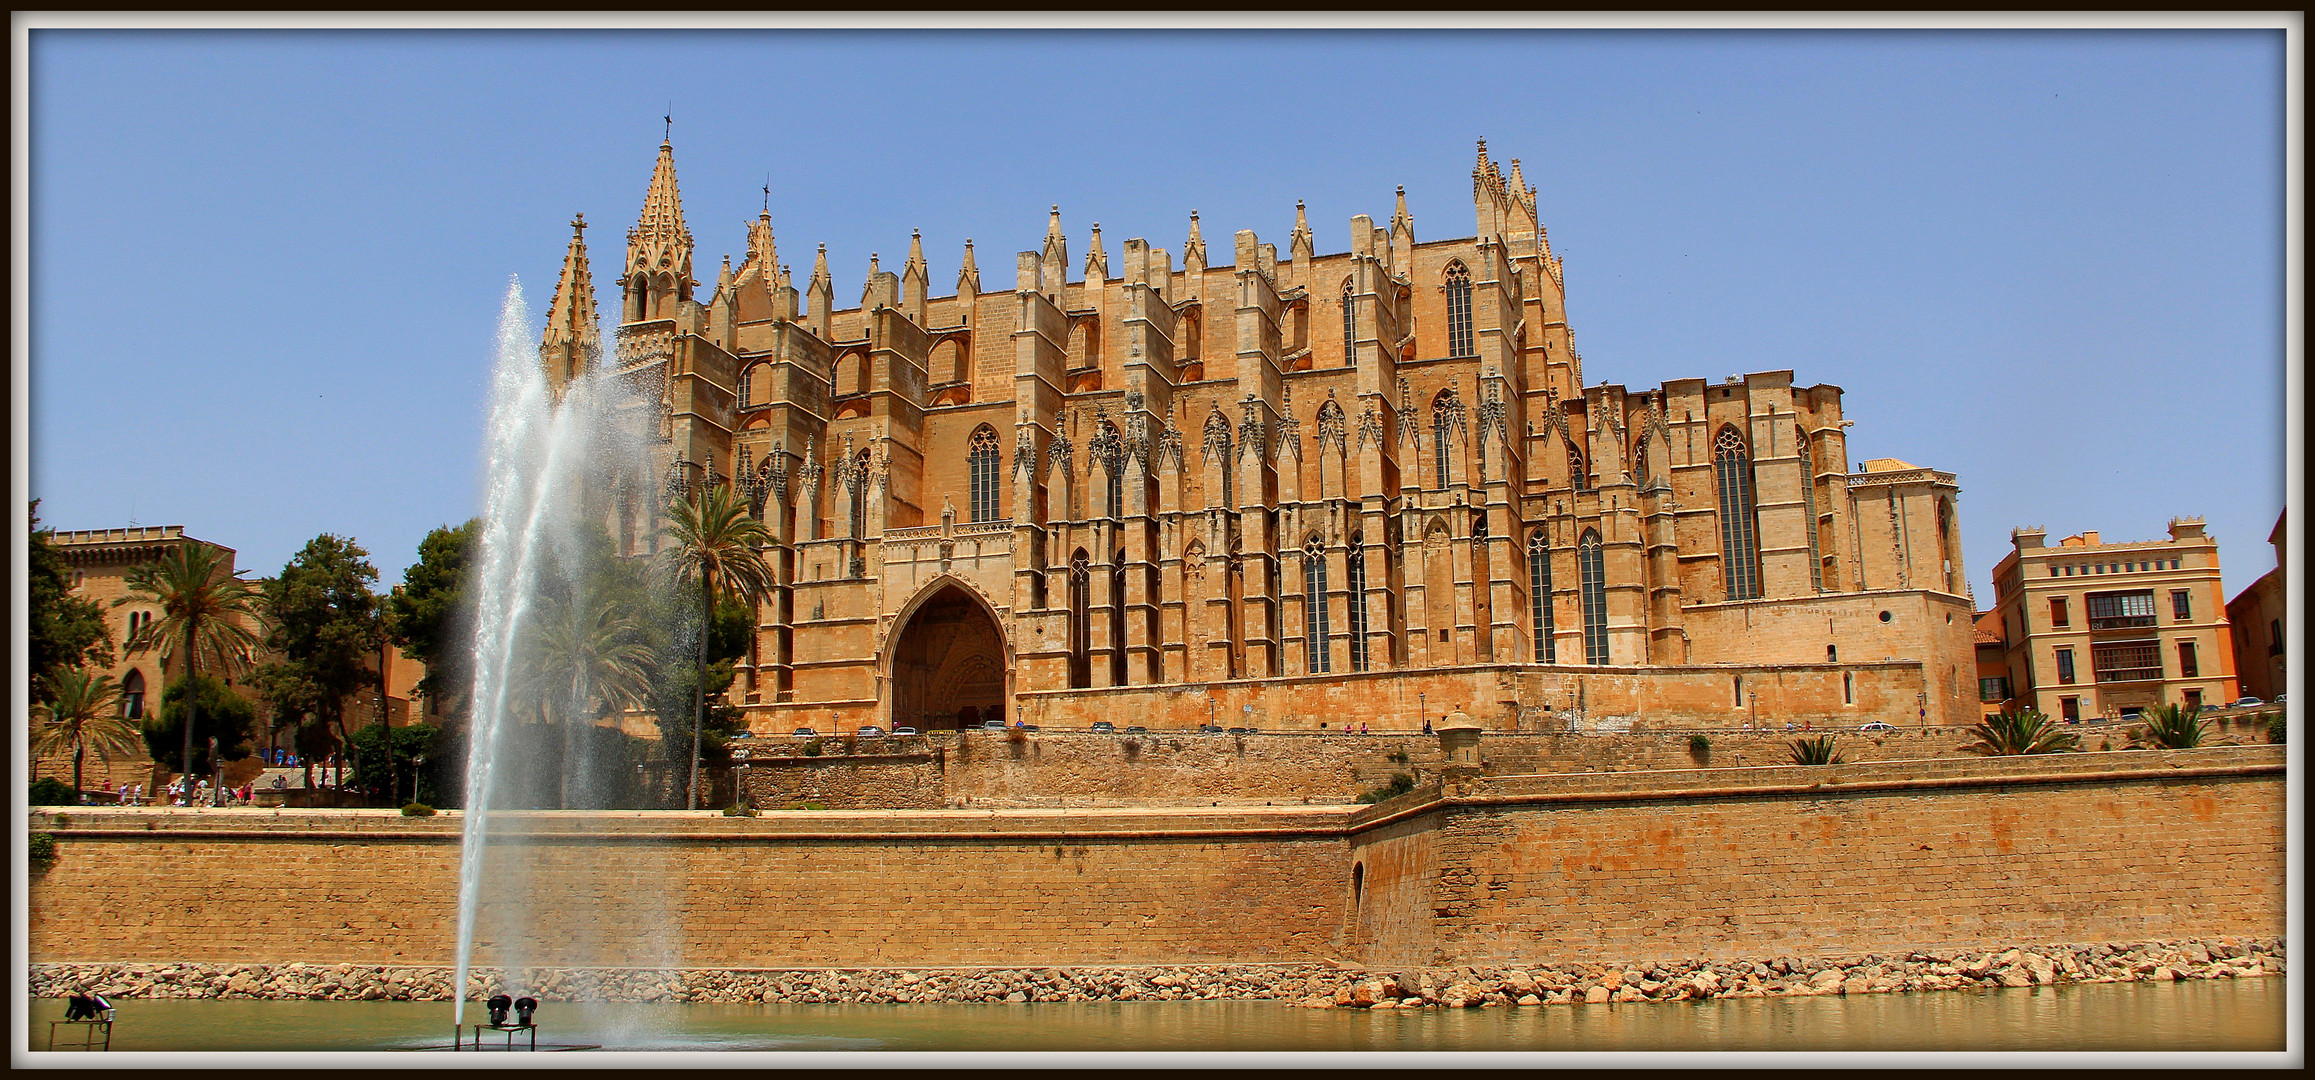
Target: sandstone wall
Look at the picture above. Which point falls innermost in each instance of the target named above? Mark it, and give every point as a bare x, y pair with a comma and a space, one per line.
1856, 858
1746, 862
1076, 768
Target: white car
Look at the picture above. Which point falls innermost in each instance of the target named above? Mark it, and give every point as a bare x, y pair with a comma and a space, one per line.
1878, 726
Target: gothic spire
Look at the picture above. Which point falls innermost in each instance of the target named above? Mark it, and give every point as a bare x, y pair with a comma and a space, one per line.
659, 246
1194, 249
568, 349
762, 251
1096, 260
969, 276
1299, 244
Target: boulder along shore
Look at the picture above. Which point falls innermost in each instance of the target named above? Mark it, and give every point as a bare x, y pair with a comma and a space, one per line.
1321, 986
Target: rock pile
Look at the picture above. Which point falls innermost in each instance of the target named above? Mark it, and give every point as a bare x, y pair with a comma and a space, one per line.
1304, 985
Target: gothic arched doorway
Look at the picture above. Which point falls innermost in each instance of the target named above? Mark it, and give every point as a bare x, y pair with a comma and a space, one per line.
948, 663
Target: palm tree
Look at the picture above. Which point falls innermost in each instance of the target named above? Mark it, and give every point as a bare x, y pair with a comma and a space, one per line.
586, 657
717, 536
2172, 727
202, 605
1817, 751
2024, 732
83, 716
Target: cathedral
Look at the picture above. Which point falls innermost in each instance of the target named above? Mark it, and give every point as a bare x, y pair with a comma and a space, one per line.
1329, 489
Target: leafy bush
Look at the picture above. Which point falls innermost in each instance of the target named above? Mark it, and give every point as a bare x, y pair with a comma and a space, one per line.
812, 749
1397, 757
739, 811
50, 791
2171, 727
40, 850
1817, 751
417, 809
1400, 784
2275, 728
1698, 744
2022, 732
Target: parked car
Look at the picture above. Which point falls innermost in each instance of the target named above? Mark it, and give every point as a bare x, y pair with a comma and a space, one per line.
1104, 727
905, 730
992, 725
743, 735
1028, 727
1137, 729
1878, 726
1209, 729
1238, 731
2281, 699
804, 733
871, 731
2246, 703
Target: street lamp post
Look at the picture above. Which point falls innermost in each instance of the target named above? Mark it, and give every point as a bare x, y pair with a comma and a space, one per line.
216, 776
1421, 707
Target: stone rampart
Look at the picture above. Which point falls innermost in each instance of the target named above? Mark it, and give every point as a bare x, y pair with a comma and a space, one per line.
1076, 768
1758, 861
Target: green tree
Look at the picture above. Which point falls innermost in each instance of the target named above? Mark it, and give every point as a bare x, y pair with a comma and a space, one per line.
394, 770
716, 537
189, 718
2023, 732
82, 716
2171, 727
64, 631
202, 607
585, 659
431, 617
328, 630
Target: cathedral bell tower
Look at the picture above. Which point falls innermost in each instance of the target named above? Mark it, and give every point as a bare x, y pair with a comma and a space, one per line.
658, 277
572, 346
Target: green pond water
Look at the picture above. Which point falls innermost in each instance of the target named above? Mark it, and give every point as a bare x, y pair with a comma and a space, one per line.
2216, 1015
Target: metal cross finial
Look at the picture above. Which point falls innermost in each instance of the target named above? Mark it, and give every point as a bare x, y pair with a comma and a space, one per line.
669, 131
767, 194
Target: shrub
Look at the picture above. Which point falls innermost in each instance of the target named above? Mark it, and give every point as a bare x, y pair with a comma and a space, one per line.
1400, 784
739, 811
50, 791
1397, 757
1817, 751
812, 748
2171, 727
40, 850
2275, 728
417, 809
2023, 732
1698, 744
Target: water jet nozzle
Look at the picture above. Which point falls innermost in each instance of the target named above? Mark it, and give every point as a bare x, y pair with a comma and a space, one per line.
523, 1009
498, 1005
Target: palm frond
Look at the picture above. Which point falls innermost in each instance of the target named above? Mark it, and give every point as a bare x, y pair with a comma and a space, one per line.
2172, 727
2023, 732
201, 606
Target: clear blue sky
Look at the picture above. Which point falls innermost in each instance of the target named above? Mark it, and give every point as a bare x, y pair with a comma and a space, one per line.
266, 265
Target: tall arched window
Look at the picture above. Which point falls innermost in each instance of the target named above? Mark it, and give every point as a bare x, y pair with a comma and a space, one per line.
1579, 476
1117, 619
747, 386
1354, 581
1459, 311
133, 695
1539, 597
1809, 506
1349, 325
984, 469
1640, 460
1593, 584
1739, 557
860, 481
1444, 408
1314, 604
1080, 621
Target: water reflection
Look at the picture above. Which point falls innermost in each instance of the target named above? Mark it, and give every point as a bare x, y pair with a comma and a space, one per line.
2218, 1015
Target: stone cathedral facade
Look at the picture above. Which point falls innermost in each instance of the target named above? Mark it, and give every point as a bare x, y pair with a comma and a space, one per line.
1315, 489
